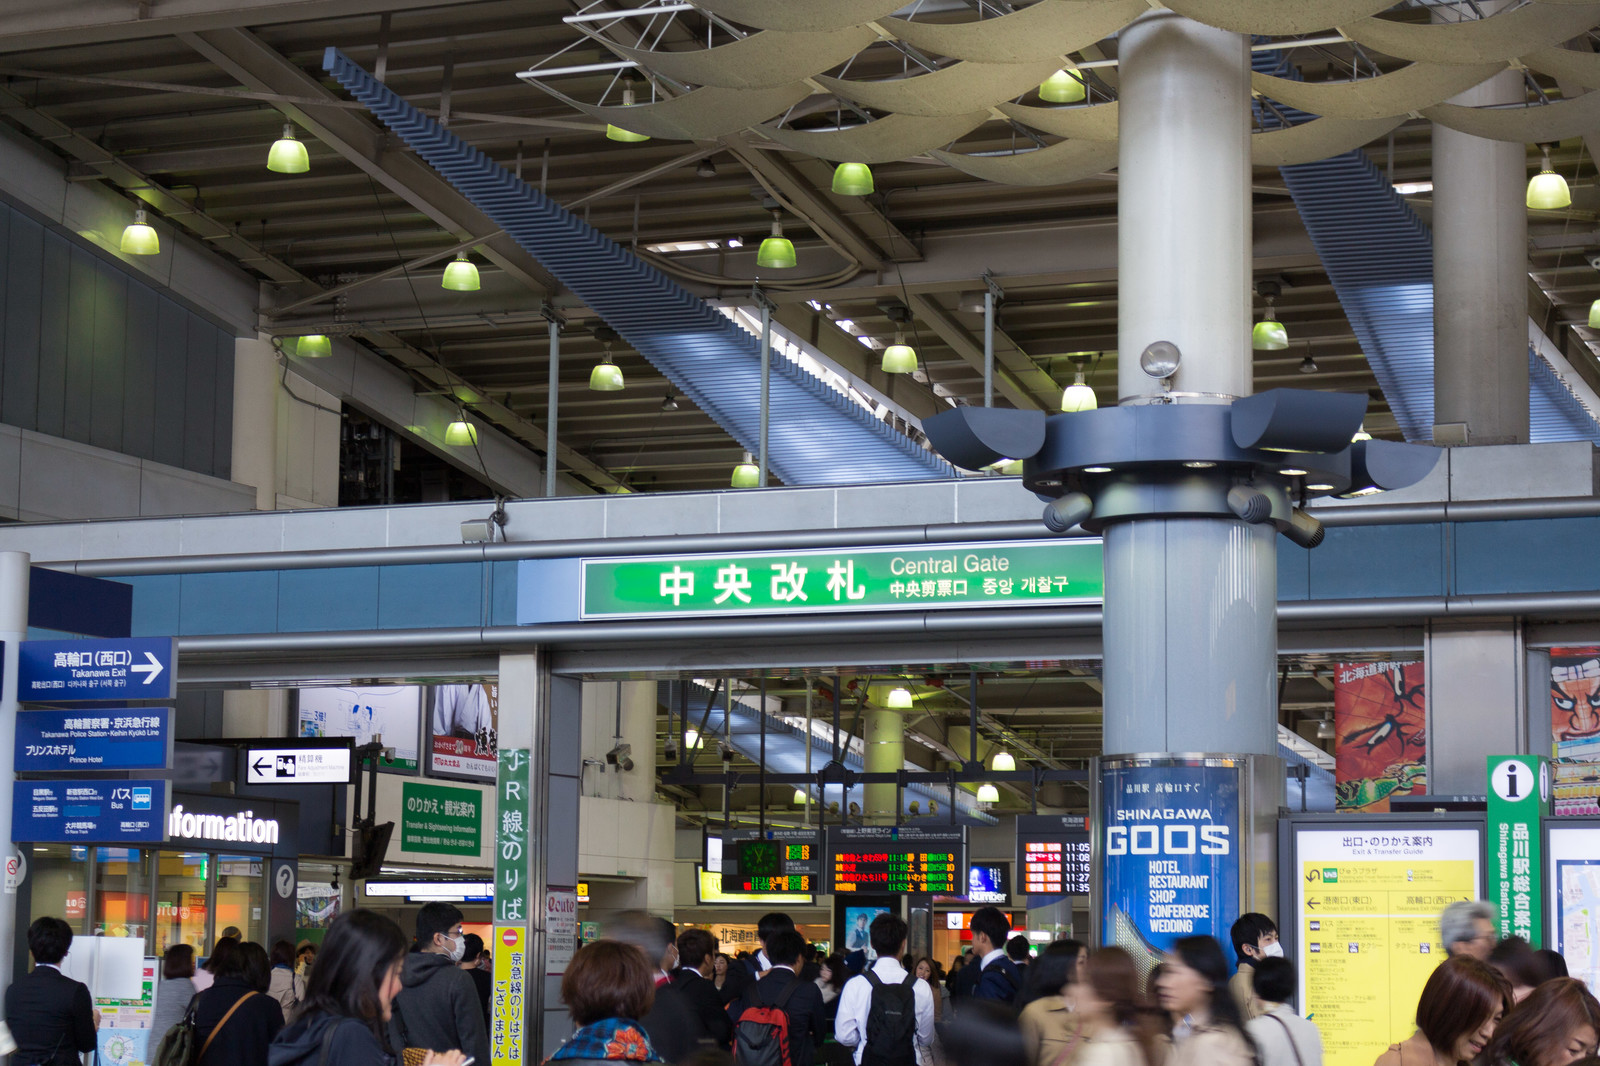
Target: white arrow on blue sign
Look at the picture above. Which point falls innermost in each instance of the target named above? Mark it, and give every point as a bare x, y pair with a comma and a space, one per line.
129, 668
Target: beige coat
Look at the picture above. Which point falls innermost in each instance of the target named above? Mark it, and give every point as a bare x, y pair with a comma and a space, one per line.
1050, 1032
1210, 1046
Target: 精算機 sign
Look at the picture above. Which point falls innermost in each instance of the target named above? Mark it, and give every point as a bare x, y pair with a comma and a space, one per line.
131, 668
1169, 836
106, 738
89, 812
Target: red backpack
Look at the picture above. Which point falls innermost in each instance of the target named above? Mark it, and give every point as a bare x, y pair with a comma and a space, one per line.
761, 1037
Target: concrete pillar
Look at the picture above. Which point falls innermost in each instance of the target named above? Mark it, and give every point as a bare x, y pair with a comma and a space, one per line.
255, 712
885, 739
1480, 279
255, 419
14, 569
1477, 690
1191, 604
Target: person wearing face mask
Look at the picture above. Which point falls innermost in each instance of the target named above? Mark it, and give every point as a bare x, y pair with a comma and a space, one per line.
437, 1007
1255, 936
1461, 1005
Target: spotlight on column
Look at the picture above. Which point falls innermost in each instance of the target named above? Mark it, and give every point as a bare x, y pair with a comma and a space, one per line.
1304, 530
1070, 510
1248, 504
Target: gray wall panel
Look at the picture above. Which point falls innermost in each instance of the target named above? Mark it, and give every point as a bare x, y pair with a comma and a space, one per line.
199, 394
172, 340
83, 282
19, 369
110, 358
49, 414
222, 408
139, 376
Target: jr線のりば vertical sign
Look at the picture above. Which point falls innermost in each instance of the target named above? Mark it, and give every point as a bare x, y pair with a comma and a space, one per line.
508, 1021
1169, 843
1519, 795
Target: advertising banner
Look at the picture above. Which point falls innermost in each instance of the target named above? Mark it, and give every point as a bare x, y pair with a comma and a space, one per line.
1367, 927
1380, 713
440, 819
511, 837
463, 731
506, 1027
1572, 858
1519, 796
390, 711
1575, 702
1169, 844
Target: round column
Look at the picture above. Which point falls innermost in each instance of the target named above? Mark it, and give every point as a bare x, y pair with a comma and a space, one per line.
885, 738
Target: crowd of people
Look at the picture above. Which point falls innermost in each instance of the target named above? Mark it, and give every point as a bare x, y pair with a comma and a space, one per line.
646, 993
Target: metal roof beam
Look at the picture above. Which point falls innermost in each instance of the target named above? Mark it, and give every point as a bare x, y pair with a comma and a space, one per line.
1016, 376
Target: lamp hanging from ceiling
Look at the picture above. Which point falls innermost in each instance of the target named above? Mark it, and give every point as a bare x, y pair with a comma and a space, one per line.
139, 237
460, 432
606, 375
899, 699
288, 153
461, 275
1004, 762
988, 794
1063, 87
746, 474
1309, 365
777, 251
1547, 190
1079, 396
852, 179
1594, 315
1269, 334
899, 357
617, 133
313, 346
801, 797
693, 739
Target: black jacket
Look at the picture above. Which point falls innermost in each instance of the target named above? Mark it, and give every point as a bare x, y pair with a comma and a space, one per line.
243, 1041
671, 1024
485, 986
51, 1018
804, 1010
705, 1000
352, 1044
438, 1008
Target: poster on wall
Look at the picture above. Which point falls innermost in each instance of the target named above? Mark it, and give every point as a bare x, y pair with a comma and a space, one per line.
1169, 834
390, 711
1367, 926
1380, 713
1575, 730
463, 730
316, 906
1572, 857
858, 927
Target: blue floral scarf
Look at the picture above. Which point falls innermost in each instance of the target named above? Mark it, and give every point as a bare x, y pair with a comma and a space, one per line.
618, 1039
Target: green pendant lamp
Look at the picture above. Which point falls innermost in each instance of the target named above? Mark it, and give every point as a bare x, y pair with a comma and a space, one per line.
1269, 334
777, 251
899, 357
139, 237
1594, 315
617, 133
460, 432
1547, 190
461, 275
899, 699
1079, 396
313, 346
606, 375
288, 155
746, 475
1063, 87
852, 179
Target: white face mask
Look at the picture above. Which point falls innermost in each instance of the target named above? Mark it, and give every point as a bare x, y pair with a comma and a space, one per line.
1273, 950
458, 948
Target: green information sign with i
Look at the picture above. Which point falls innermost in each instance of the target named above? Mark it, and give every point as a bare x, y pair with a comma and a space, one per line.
1001, 574
1519, 796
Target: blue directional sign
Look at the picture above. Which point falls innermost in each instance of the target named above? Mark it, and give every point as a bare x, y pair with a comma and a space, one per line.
136, 668
89, 812
105, 738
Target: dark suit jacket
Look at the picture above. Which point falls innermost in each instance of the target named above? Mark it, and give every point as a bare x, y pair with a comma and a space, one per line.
671, 1024
706, 1001
51, 1018
804, 1010
243, 1041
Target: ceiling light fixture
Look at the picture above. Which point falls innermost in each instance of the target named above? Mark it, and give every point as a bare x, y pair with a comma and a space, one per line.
288, 155
1308, 365
313, 346
1199, 464
1319, 488
777, 251
1291, 471
670, 403
899, 357
1594, 315
461, 433
735, 242
706, 169
988, 794
606, 375
1097, 470
801, 797
852, 179
461, 275
746, 474
617, 133
692, 739
1004, 763
1063, 87
1269, 334
899, 699
1547, 190
1361, 434
139, 237
1079, 396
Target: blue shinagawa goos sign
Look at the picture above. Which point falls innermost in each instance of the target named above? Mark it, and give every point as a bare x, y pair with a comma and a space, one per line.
1169, 844
133, 668
89, 812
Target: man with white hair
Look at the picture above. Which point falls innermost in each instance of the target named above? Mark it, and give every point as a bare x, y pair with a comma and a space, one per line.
1467, 928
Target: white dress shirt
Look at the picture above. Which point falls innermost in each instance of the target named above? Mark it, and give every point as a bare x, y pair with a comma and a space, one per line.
987, 959
855, 1002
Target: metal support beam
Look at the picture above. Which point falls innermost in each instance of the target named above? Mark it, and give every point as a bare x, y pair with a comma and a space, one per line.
553, 402
767, 307
1019, 380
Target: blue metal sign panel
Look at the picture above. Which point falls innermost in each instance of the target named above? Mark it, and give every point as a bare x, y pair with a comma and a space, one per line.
117, 738
89, 812
136, 668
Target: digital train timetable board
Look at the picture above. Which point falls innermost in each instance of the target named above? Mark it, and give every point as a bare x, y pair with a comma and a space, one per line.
1052, 855
776, 861
898, 859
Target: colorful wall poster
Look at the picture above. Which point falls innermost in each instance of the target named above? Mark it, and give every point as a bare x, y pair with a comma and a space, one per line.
124, 1037
390, 711
1169, 845
1367, 914
1575, 702
316, 905
463, 730
1380, 713
1572, 865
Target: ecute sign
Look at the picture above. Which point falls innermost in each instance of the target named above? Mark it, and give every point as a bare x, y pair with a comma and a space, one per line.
243, 827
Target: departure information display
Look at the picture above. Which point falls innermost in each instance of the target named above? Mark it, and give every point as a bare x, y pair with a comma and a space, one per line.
898, 859
1053, 855
775, 861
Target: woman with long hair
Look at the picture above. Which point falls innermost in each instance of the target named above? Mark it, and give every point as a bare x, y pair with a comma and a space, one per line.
1193, 988
345, 1013
1557, 1023
1118, 1027
1049, 1021
1460, 1007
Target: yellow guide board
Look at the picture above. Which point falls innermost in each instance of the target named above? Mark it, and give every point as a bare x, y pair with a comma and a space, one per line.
1368, 905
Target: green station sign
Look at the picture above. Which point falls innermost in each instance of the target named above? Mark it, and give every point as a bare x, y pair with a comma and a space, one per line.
1002, 574
440, 819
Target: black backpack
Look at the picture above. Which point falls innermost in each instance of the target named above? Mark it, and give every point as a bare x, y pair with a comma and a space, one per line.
761, 1037
891, 1023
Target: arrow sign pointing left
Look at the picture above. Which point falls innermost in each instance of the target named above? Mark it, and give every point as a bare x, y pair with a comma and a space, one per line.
260, 766
151, 671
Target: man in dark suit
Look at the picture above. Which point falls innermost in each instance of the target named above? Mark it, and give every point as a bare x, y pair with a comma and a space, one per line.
671, 1024
804, 1006
991, 975
696, 951
51, 1016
